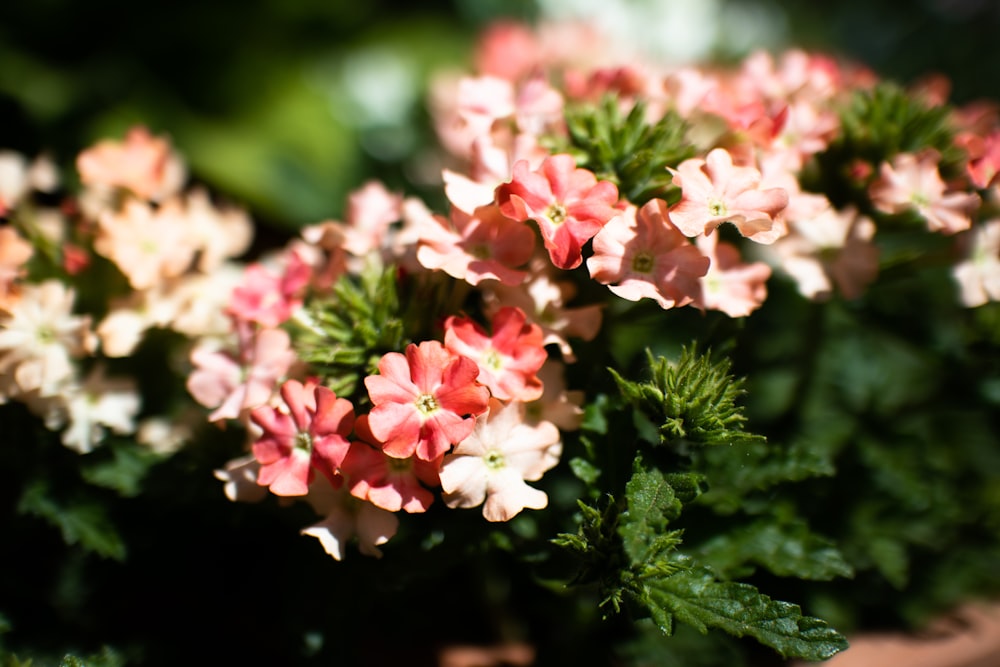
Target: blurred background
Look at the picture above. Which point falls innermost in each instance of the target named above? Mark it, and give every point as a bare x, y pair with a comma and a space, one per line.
285, 106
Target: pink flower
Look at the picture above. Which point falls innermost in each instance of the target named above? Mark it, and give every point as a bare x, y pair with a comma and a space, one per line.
830, 249
148, 245
544, 300
268, 298
240, 480
486, 245
646, 256
912, 182
556, 404
735, 288
14, 255
509, 360
232, 384
569, 205
385, 481
144, 164
310, 435
424, 401
714, 191
490, 467
346, 517
978, 275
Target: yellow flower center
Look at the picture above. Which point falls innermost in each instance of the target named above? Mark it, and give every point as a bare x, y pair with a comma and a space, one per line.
427, 404
492, 360
556, 213
717, 207
303, 441
494, 460
642, 262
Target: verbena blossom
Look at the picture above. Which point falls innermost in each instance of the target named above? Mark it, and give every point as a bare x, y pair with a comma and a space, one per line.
714, 191
234, 383
568, 204
424, 401
14, 255
544, 300
912, 182
308, 433
558, 405
483, 245
833, 249
731, 285
147, 244
391, 483
268, 297
41, 337
143, 164
98, 404
492, 465
509, 360
641, 254
978, 274
347, 518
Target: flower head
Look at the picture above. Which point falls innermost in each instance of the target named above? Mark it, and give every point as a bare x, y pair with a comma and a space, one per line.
309, 434
714, 191
424, 401
569, 205
509, 360
490, 467
645, 255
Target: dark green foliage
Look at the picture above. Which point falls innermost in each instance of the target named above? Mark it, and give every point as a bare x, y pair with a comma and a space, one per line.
876, 125
349, 331
635, 549
80, 519
627, 149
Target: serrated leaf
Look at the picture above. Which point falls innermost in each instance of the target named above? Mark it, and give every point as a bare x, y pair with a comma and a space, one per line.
695, 597
81, 521
651, 505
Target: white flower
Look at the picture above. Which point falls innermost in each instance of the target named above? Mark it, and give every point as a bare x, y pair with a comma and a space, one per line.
96, 406
40, 336
490, 467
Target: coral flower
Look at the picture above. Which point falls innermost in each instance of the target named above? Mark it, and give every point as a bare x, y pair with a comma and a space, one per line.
509, 360
731, 285
311, 434
486, 245
144, 164
387, 482
569, 205
714, 191
424, 401
912, 182
493, 463
645, 255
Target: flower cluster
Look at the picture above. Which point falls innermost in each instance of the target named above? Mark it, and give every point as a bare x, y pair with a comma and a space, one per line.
83, 278
681, 187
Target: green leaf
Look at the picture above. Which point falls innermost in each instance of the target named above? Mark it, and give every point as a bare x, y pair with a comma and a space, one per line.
785, 548
81, 520
124, 471
584, 470
651, 504
695, 597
